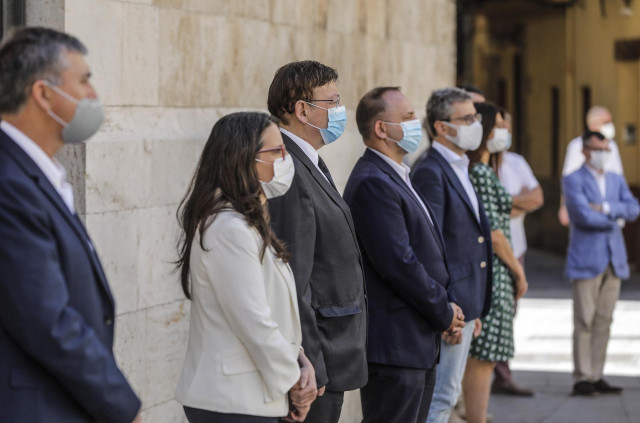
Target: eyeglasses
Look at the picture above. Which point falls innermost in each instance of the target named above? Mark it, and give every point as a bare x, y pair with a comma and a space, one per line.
281, 148
335, 102
468, 119
608, 150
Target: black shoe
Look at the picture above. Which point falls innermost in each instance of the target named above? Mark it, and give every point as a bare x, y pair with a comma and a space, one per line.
604, 388
510, 388
585, 389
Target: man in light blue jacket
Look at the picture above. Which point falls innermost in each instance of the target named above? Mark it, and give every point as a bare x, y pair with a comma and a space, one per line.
597, 258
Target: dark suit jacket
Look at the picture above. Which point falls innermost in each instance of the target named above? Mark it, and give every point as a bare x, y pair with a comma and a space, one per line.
56, 310
468, 241
316, 225
405, 267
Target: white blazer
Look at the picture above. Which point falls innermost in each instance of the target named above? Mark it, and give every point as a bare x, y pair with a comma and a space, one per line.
245, 334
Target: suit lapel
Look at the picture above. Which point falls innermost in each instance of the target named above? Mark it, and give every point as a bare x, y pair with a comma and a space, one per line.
33, 171
592, 185
383, 166
293, 149
297, 152
611, 188
287, 276
454, 180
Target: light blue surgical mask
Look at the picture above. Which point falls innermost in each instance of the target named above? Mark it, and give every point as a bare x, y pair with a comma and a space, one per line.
412, 135
335, 127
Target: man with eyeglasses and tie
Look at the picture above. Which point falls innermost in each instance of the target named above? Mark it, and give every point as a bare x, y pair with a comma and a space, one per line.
442, 177
315, 223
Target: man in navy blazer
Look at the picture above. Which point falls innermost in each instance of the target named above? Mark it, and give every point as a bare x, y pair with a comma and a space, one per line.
404, 262
56, 310
597, 258
442, 178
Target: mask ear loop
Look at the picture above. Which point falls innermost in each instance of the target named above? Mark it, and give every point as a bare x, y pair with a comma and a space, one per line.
60, 91
319, 107
393, 123
64, 95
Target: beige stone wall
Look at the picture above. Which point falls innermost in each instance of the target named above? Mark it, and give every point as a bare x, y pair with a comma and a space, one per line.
166, 70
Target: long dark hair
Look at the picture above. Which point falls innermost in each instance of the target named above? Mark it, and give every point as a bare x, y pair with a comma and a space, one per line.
488, 112
226, 176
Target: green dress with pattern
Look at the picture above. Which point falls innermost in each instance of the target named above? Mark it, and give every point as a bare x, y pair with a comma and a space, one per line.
495, 343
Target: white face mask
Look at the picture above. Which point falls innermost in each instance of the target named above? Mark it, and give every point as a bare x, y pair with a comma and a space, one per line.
469, 136
501, 141
608, 130
283, 172
599, 159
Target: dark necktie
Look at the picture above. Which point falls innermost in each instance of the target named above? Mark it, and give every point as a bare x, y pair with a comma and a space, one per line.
323, 167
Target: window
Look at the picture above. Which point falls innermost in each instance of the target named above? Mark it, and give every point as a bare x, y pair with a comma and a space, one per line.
12, 14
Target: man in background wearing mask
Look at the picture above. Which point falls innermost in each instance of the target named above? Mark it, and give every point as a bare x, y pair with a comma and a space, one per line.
315, 223
598, 119
596, 259
56, 309
442, 177
404, 263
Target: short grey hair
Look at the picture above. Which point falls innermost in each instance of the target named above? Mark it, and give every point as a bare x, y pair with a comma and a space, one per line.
28, 55
440, 105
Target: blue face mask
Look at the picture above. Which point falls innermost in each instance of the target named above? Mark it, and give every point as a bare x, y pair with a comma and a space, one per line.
412, 130
335, 127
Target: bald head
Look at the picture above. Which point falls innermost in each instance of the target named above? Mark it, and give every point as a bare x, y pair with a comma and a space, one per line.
598, 116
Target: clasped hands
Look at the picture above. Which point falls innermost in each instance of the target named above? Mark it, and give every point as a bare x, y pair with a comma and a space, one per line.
304, 392
453, 334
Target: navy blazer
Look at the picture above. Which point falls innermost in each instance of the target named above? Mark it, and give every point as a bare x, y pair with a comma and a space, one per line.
56, 310
595, 238
468, 242
405, 267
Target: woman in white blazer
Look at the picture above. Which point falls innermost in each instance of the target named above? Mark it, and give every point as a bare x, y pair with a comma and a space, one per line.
244, 361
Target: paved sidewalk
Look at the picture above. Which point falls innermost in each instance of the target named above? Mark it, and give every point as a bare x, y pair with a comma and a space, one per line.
543, 360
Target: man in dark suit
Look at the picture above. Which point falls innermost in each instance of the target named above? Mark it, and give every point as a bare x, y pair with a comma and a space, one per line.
315, 223
442, 178
404, 262
56, 310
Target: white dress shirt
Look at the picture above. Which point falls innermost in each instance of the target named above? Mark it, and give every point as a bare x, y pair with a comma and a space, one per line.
515, 174
574, 159
460, 165
403, 172
306, 148
51, 167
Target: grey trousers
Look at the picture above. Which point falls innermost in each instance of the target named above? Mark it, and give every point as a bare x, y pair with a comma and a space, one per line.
593, 303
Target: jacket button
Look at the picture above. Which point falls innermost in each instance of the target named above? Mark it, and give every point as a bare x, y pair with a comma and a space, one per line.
108, 320
480, 239
483, 264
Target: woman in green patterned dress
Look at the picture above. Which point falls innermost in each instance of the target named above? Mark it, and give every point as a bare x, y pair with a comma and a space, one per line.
495, 342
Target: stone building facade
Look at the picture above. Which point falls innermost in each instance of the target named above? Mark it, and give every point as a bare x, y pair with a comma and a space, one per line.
165, 71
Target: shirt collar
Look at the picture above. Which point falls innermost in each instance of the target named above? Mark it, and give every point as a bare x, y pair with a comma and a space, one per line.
451, 156
400, 168
305, 146
51, 167
595, 173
